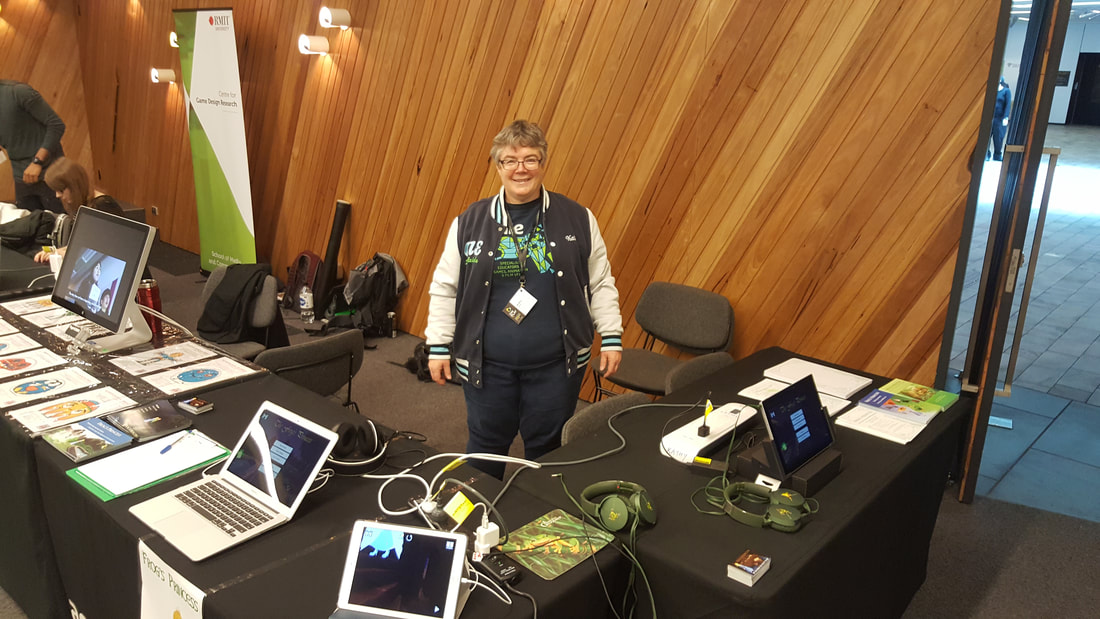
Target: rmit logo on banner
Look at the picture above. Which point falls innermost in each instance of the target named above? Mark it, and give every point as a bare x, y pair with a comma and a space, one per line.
219, 20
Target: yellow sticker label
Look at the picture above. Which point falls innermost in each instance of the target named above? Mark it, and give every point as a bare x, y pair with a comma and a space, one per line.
459, 507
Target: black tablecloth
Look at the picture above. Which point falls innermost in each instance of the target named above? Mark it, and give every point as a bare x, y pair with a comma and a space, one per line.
863, 554
17, 271
291, 571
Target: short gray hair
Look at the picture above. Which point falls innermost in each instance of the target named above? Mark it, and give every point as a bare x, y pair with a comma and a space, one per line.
519, 134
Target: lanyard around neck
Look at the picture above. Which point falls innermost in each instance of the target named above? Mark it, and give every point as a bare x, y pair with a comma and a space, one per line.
521, 252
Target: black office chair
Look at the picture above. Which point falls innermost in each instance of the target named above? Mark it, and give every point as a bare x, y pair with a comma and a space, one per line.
594, 416
323, 365
264, 317
685, 318
695, 369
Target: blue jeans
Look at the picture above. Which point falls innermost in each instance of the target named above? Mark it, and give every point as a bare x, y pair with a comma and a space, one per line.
534, 403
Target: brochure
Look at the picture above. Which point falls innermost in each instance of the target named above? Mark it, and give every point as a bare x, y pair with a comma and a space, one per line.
32, 388
29, 361
198, 376
55, 413
162, 358
87, 439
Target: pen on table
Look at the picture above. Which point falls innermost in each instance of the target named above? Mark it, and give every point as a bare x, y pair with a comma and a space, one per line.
173, 443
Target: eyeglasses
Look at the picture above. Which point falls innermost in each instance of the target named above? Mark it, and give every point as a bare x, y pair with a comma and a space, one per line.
530, 163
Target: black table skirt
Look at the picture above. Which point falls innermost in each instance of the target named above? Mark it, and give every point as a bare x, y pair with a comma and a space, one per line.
863, 554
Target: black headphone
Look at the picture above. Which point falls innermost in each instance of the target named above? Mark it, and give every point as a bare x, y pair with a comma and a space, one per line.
357, 444
622, 504
785, 511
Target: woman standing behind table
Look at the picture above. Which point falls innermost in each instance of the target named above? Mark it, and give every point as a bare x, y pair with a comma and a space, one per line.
70, 182
522, 282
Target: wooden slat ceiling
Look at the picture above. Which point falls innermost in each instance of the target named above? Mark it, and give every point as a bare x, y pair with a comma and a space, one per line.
808, 160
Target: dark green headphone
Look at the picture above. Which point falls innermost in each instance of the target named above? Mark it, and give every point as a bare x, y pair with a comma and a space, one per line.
621, 504
785, 510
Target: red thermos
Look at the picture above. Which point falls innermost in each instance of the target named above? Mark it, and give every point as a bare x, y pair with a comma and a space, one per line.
149, 295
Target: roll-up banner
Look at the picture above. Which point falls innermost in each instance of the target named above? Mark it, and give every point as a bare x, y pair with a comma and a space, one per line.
215, 116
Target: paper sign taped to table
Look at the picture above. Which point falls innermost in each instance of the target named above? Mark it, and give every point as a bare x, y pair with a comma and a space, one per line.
164, 593
32, 388
151, 361
7, 328
16, 342
198, 375
28, 306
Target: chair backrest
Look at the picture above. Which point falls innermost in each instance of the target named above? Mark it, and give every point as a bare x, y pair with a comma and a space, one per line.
695, 369
323, 365
7, 182
594, 416
264, 306
687, 318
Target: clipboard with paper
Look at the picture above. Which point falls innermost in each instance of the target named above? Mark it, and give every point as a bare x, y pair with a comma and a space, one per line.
148, 464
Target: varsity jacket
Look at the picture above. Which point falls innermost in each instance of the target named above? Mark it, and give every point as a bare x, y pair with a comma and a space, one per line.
586, 295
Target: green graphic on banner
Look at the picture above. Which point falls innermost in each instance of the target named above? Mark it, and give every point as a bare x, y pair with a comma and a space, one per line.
220, 222
211, 79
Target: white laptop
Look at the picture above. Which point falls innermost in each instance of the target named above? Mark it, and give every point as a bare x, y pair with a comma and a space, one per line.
394, 570
259, 486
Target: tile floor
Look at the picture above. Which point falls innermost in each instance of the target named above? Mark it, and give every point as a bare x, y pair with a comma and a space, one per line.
1051, 457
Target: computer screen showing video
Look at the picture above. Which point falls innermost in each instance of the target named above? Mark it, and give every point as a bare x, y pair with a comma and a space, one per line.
103, 263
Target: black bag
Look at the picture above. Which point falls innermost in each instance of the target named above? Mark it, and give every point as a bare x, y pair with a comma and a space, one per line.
371, 293
418, 363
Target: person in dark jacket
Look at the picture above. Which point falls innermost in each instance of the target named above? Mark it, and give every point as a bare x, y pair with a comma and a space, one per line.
1000, 114
31, 132
523, 282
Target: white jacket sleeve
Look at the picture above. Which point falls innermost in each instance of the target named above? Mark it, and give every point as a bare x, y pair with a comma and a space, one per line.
602, 291
443, 290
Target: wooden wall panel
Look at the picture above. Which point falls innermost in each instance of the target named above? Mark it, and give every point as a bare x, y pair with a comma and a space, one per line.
38, 46
808, 160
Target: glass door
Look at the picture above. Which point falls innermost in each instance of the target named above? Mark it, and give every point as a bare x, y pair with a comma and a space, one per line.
1007, 189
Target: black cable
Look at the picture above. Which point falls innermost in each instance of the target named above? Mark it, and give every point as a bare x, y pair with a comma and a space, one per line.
534, 604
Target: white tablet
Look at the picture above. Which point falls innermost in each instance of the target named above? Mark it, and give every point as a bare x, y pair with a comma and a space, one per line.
395, 570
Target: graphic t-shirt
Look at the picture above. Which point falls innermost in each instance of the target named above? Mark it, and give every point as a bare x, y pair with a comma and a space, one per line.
537, 340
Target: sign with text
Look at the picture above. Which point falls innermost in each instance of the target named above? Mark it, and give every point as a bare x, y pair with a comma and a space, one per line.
215, 118
164, 593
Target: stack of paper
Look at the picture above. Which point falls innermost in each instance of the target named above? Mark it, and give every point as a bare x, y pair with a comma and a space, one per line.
148, 464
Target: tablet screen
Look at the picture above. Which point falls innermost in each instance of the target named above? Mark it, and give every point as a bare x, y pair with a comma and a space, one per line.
798, 424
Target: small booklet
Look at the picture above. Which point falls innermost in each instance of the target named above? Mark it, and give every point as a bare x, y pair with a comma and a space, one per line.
931, 399
900, 407
553, 543
150, 421
87, 439
748, 568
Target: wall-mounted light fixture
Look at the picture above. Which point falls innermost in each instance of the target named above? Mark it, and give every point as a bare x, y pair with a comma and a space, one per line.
333, 18
163, 75
172, 40
312, 45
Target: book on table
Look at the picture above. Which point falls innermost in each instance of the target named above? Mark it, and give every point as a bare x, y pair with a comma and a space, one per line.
930, 397
150, 421
748, 568
908, 401
87, 439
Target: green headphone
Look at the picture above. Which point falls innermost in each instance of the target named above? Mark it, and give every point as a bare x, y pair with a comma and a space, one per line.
785, 511
621, 504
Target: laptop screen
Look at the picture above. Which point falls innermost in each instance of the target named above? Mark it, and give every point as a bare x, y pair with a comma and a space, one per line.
798, 424
279, 456
402, 571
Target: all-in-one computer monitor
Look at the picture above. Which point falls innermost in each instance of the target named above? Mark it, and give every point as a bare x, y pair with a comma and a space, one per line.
100, 274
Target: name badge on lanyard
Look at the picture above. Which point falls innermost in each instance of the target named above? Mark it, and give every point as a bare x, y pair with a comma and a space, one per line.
520, 305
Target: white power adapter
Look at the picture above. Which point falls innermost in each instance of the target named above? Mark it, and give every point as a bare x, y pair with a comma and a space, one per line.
486, 536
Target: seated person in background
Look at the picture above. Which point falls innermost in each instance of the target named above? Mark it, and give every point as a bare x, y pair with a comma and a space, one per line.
70, 182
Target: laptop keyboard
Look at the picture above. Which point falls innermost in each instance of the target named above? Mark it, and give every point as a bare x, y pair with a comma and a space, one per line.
225, 509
